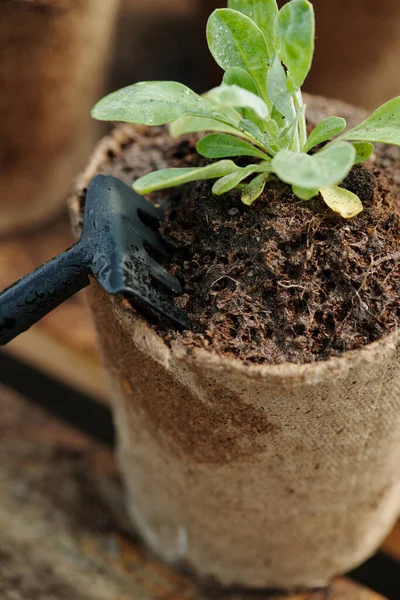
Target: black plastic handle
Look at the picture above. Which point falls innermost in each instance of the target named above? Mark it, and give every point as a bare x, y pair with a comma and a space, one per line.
32, 297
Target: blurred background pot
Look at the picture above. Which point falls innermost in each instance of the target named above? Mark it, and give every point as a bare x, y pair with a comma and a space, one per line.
149, 42
53, 58
278, 476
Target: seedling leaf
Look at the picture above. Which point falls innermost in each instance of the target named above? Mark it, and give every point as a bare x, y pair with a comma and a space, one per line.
189, 124
263, 13
230, 181
221, 146
341, 201
250, 129
328, 167
363, 151
304, 194
165, 178
241, 78
154, 103
236, 41
382, 126
254, 189
324, 131
278, 91
233, 95
295, 32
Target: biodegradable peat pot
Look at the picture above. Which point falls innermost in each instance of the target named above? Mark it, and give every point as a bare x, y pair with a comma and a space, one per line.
262, 476
54, 54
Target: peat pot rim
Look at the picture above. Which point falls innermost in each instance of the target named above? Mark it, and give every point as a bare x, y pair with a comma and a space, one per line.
291, 374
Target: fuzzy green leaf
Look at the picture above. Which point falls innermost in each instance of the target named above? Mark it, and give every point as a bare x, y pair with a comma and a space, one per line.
263, 13
235, 98
154, 103
267, 140
277, 117
277, 89
235, 41
303, 193
250, 129
166, 178
241, 78
363, 151
328, 167
186, 125
254, 189
325, 130
289, 135
382, 126
231, 115
341, 201
233, 95
230, 181
221, 146
295, 31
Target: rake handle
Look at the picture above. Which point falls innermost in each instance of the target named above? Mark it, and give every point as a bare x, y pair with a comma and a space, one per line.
32, 297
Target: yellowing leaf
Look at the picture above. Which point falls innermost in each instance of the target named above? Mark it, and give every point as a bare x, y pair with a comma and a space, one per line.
341, 201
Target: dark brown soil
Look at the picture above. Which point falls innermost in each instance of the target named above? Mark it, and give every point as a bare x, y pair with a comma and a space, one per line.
282, 280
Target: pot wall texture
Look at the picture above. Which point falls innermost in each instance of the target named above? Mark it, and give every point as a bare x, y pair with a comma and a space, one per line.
258, 476
278, 477
53, 58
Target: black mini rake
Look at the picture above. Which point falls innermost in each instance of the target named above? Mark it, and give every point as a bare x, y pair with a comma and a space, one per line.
117, 246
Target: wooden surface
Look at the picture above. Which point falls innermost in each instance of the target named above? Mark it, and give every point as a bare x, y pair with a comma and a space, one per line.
64, 533
392, 543
63, 344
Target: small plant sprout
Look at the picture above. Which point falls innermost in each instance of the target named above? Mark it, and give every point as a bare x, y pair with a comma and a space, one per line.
257, 112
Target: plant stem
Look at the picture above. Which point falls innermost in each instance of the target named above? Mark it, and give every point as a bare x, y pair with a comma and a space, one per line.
295, 145
302, 126
296, 141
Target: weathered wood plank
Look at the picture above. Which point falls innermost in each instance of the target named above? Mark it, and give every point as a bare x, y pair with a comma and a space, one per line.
63, 344
64, 533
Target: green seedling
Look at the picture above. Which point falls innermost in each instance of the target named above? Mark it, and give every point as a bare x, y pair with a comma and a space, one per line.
257, 112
